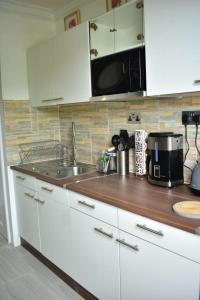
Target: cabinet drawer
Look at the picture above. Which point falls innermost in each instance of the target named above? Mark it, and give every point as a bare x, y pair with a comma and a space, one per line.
171, 238
25, 180
48, 190
94, 208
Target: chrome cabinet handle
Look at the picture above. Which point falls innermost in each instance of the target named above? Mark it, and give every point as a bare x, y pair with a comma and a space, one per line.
53, 99
86, 204
29, 195
47, 189
20, 177
158, 232
100, 230
39, 200
135, 247
197, 81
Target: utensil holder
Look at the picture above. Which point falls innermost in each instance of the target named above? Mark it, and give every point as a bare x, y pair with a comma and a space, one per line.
123, 162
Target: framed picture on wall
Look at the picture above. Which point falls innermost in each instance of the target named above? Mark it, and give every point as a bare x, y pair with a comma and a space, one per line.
72, 20
110, 4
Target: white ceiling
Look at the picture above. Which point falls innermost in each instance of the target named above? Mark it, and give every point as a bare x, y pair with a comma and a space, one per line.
48, 4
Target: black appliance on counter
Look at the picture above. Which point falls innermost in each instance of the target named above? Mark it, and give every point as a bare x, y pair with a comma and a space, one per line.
165, 158
119, 73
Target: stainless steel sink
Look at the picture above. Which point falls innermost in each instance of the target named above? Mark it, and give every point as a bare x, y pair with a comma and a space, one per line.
58, 169
72, 171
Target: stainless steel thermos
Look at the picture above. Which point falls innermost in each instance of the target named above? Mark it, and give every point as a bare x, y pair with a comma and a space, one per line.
123, 162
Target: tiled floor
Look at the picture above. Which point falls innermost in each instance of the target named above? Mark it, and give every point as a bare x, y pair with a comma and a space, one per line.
23, 277
2, 243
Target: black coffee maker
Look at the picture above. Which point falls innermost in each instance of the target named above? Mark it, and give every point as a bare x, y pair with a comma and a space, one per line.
165, 158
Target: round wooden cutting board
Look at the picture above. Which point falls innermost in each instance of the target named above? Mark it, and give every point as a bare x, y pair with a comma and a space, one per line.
188, 209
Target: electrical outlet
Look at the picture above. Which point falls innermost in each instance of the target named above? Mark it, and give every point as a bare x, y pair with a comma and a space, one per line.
190, 117
134, 117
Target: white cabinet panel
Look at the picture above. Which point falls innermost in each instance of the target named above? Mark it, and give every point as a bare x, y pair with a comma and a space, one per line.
94, 208
117, 30
54, 228
95, 256
72, 70
154, 273
129, 26
102, 39
28, 222
59, 69
173, 239
40, 75
172, 46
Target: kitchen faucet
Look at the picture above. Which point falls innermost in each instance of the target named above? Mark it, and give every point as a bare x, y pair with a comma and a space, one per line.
75, 158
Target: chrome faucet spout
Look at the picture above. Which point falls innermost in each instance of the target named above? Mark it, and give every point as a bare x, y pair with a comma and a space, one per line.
75, 158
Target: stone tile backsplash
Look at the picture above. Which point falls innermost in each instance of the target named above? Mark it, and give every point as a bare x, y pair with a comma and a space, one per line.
95, 124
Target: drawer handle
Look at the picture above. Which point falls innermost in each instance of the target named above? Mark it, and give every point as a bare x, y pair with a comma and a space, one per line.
39, 200
100, 230
86, 204
158, 232
197, 81
135, 247
20, 177
29, 195
47, 189
54, 99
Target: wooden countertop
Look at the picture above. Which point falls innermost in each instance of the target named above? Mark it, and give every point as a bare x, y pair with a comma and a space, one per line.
136, 195
131, 193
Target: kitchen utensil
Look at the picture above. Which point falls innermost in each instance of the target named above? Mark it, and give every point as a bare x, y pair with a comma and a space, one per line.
188, 209
115, 140
123, 162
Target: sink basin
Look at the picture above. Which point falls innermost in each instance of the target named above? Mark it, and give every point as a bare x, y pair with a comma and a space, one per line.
73, 171
57, 169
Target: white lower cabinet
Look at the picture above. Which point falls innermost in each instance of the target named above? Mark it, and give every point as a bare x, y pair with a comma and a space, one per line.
54, 228
95, 255
112, 253
150, 272
27, 209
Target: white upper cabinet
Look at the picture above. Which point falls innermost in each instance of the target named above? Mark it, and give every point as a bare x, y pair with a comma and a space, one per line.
59, 69
102, 35
172, 41
119, 29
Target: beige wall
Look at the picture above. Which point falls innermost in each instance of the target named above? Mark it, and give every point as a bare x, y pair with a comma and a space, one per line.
95, 124
88, 10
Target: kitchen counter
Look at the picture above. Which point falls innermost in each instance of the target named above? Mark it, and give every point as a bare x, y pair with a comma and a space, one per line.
136, 195
131, 193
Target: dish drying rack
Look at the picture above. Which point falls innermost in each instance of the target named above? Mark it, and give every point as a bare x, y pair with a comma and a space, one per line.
40, 150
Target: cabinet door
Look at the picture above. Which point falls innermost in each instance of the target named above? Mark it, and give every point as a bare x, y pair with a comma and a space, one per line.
172, 46
129, 26
95, 255
54, 228
40, 73
72, 68
150, 272
27, 213
102, 38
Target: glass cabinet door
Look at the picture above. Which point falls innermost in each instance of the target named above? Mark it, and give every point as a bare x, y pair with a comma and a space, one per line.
128, 26
101, 35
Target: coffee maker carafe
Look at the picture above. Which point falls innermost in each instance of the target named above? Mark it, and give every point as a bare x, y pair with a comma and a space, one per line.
165, 158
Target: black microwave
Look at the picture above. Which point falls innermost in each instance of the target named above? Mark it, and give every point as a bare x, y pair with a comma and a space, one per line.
119, 73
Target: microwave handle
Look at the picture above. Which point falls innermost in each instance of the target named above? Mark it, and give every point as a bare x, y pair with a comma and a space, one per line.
123, 68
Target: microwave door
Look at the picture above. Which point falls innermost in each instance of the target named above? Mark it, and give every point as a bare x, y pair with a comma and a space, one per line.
111, 77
